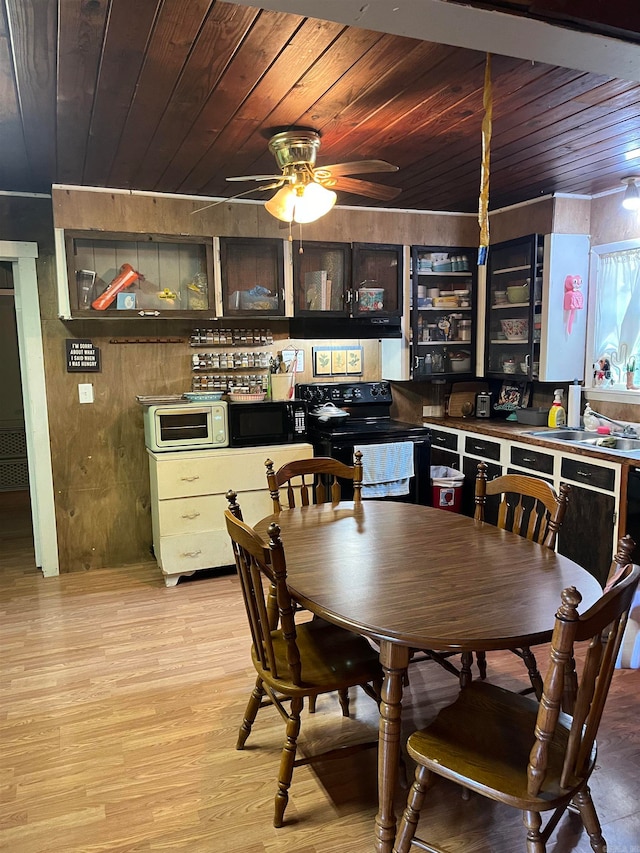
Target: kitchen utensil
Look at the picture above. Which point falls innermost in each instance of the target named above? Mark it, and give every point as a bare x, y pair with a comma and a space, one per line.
518, 292
516, 328
329, 412
240, 397
203, 396
483, 404
460, 362
85, 280
370, 298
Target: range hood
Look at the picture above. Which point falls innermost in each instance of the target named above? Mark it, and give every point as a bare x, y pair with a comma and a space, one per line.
345, 327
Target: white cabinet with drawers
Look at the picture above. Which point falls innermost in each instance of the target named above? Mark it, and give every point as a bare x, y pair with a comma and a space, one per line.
188, 501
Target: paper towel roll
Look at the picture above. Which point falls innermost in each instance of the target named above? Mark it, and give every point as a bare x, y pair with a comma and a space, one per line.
573, 405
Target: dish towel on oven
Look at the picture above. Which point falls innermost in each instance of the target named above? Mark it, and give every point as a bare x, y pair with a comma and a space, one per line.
386, 468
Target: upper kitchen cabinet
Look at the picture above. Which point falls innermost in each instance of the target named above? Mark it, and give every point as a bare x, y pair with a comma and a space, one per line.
252, 277
358, 286
536, 308
133, 275
443, 299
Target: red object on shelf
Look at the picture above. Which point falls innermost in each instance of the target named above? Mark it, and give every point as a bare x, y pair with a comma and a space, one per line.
124, 279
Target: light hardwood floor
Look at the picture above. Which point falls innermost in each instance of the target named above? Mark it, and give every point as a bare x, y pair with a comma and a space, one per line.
119, 709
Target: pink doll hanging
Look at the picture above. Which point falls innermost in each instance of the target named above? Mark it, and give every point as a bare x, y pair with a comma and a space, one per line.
573, 299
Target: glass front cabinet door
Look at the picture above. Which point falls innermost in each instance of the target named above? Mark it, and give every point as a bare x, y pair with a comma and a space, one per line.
514, 308
377, 280
252, 276
443, 294
321, 279
135, 275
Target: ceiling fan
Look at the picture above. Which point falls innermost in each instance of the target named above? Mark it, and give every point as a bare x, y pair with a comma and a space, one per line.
306, 191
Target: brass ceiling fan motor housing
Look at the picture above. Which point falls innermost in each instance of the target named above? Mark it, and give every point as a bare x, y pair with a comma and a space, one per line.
295, 147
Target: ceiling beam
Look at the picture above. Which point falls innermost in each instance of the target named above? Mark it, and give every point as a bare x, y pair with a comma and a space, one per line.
478, 29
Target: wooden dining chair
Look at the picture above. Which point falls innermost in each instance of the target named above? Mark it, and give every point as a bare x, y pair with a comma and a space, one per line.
293, 661
315, 480
531, 508
523, 753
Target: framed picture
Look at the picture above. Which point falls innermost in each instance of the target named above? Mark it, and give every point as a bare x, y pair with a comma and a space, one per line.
513, 395
354, 361
321, 361
338, 361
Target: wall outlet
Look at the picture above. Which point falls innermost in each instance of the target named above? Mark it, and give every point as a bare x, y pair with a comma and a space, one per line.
85, 392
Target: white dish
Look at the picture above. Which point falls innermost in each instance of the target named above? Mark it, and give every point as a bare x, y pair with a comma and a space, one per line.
203, 396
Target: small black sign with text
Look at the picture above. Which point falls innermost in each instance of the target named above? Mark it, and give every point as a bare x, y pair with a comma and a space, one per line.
82, 356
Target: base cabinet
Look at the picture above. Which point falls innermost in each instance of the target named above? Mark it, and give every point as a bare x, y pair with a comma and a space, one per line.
589, 533
188, 502
594, 512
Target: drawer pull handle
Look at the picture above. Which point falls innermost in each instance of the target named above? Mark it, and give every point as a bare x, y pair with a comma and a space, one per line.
529, 459
583, 473
190, 479
191, 514
191, 553
479, 448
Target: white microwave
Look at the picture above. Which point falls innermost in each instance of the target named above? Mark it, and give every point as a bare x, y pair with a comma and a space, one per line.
186, 426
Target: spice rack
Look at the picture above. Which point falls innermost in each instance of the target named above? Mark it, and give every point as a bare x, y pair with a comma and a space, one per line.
205, 365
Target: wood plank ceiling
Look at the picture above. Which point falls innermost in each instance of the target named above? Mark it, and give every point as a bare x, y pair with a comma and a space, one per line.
170, 96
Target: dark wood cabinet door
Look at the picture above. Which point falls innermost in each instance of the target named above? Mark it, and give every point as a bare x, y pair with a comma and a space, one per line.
586, 535
470, 471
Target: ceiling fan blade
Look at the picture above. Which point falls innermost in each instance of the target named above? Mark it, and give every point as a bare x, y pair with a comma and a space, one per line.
238, 195
258, 178
368, 188
358, 167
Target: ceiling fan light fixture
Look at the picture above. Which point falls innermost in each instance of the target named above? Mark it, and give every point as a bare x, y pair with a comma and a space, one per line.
631, 200
302, 202
282, 204
313, 203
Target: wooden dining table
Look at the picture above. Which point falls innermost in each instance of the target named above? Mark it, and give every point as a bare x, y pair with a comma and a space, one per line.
415, 577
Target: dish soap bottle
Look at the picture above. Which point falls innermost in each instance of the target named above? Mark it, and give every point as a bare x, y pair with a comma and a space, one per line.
557, 414
591, 422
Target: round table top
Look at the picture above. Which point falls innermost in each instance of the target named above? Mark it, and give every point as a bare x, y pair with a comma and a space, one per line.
425, 577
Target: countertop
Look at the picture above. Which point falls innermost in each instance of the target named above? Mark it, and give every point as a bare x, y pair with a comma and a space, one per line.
518, 432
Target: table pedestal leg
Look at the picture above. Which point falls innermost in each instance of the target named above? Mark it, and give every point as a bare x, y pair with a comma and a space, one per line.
394, 660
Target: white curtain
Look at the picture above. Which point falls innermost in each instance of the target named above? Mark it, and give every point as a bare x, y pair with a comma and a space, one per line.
617, 326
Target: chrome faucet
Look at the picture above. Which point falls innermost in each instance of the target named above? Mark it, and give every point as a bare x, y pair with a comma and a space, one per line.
627, 429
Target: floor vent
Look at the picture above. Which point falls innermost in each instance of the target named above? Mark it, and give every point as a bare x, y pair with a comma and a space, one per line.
14, 473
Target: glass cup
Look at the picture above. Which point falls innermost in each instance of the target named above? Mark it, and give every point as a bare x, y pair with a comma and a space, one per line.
85, 280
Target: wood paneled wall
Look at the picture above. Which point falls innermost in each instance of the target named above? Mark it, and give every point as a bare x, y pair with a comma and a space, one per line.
100, 465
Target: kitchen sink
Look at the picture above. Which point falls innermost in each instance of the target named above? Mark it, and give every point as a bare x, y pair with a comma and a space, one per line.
562, 434
616, 444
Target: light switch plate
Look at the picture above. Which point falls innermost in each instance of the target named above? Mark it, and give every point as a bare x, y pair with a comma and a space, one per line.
85, 392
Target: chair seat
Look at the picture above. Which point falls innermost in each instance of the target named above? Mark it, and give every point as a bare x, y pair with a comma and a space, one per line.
491, 756
331, 659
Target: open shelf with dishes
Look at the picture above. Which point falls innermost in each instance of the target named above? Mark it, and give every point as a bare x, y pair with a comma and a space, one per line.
443, 294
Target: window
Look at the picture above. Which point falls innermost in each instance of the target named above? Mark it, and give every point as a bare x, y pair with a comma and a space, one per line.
616, 317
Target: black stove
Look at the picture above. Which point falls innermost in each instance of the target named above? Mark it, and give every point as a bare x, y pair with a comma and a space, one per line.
368, 405
369, 422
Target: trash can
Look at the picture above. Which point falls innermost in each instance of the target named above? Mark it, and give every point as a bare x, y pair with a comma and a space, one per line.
446, 487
